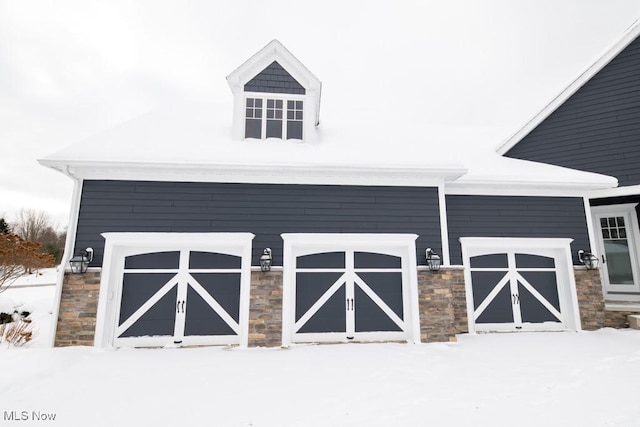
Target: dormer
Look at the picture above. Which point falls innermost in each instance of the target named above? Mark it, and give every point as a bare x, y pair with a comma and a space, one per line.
274, 96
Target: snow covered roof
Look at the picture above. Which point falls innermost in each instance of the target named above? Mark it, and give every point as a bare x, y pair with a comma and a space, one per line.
373, 133
629, 36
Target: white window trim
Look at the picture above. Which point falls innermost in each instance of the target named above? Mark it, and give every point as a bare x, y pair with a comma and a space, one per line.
119, 245
264, 96
297, 244
627, 210
474, 246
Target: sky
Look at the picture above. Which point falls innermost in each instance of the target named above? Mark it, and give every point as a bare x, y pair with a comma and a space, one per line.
71, 69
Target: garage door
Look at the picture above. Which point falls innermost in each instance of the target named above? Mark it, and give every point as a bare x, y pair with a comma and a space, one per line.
519, 285
180, 293
349, 289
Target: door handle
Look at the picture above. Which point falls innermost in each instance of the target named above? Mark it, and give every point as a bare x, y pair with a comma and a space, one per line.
603, 260
516, 299
183, 306
349, 300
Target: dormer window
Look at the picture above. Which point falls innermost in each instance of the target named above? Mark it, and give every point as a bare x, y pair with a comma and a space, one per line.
275, 96
264, 118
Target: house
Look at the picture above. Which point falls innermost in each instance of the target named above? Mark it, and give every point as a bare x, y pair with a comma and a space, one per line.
594, 125
179, 206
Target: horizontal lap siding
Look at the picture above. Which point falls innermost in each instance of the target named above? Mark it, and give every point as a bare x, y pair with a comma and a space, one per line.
498, 216
263, 209
598, 128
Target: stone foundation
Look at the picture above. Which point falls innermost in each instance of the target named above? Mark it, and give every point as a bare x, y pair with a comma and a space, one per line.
442, 304
617, 319
78, 307
590, 298
265, 309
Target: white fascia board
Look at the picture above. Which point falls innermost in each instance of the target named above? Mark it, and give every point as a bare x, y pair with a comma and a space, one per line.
479, 245
521, 188
615, 192
261, 174
630, 35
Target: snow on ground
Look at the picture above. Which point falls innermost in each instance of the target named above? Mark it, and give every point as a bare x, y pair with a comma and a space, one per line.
523, 379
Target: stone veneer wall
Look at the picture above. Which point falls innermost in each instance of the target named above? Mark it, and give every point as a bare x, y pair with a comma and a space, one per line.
442, 304
590, 298
265, 309
617, 319
78, 308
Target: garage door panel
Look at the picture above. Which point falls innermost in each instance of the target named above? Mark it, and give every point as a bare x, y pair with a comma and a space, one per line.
330, 317
158, 320
209, 260
484, 283
202, 319
532, 309
155, 260
376, 260
310, 287
534, 261
224, 288
138, 288
499, 310
321, 260
388, 287
545, 283
369, 317
489, 261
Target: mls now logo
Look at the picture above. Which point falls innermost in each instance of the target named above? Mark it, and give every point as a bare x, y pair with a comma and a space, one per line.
28, 416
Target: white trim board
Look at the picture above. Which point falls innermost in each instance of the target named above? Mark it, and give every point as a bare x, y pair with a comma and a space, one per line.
629, 36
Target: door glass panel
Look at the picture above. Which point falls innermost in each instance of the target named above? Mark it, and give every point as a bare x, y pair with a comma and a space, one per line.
618, 261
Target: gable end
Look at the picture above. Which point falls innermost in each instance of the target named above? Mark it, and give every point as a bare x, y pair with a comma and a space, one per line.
274, 79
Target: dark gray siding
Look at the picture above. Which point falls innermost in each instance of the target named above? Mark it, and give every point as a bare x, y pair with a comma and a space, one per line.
263, 209
274, 79
498, 216
598, 128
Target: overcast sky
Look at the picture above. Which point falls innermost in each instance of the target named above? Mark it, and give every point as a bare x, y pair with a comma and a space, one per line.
70, 69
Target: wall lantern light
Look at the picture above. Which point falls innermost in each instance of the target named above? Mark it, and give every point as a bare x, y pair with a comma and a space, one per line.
79, 263
433, 260
588, 259
265, 260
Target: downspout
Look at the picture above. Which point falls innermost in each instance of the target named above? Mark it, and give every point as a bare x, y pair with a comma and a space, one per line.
72, 228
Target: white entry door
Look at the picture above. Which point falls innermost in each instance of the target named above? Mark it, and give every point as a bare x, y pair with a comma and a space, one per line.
344, 288
519, 284
617, 237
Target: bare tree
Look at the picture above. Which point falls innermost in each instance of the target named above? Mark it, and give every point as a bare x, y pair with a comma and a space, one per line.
32, 225
18, 256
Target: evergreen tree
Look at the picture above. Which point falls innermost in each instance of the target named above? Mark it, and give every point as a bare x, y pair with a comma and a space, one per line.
4, 227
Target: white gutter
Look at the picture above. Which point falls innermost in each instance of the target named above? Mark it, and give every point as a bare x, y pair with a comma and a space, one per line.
72, 228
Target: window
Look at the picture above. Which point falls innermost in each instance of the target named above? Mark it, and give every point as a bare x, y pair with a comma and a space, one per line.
269, 122
294, 119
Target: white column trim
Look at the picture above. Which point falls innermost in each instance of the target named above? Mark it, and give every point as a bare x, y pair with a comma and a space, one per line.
69, 246
444, 225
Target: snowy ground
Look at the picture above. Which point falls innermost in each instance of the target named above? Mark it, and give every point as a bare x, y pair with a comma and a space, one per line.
524, 379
